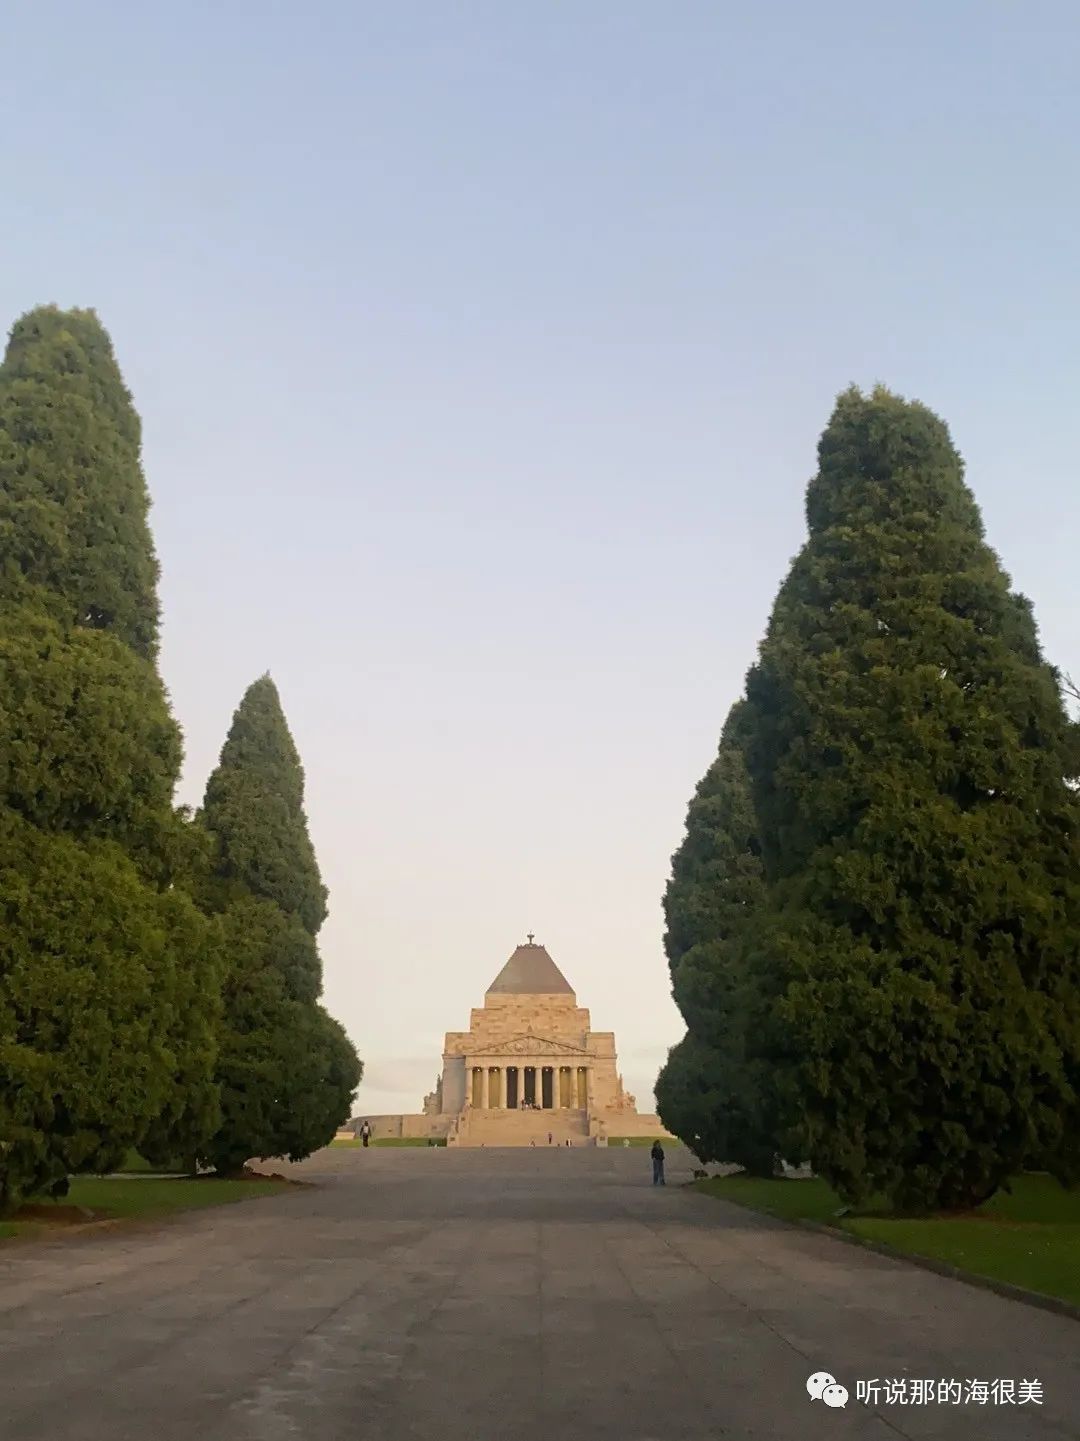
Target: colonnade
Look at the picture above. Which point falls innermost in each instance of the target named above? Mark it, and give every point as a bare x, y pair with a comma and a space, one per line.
548, 1088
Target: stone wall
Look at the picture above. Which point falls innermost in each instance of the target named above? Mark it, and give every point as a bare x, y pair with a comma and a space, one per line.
454, 1084
501, 1018
404, 1126
629, 1123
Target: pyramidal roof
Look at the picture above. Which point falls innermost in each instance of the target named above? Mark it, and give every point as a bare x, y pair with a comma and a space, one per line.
530, 971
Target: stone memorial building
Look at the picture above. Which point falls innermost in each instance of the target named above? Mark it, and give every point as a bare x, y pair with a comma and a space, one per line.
529, 1067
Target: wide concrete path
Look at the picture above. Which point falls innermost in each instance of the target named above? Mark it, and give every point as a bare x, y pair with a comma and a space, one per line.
510, 1295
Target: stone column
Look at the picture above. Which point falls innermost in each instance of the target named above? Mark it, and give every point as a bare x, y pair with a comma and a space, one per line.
484, 1088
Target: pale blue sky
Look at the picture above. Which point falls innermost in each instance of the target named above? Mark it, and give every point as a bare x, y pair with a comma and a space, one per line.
482, 350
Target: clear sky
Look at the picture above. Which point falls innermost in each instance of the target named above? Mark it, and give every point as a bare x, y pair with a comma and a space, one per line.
482, 350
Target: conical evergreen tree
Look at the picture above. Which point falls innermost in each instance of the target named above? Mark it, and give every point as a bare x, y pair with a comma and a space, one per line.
74, 532
907, 751
716, 890
287, 1071
106, 983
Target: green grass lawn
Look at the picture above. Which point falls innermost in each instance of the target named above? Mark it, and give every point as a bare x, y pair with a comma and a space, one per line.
122, 1198
641, 1140
1029, 1238
405, 1141
153, 1197
389, 1141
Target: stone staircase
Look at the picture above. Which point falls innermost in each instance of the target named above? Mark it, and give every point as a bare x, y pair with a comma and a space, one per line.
522, 1128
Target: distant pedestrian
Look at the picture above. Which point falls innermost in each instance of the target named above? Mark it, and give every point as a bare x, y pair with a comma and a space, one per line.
365, 1133
550, 1138
657, 1154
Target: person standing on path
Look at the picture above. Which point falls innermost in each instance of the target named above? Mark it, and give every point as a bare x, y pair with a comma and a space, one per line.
657, 1154
365, 1133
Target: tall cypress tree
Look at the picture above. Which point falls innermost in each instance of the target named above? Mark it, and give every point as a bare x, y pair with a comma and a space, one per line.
106, 982
286, 1069
907, 750
709, 1092
75, 528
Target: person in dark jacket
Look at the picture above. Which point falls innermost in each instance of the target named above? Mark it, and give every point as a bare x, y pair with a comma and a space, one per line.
657, 1154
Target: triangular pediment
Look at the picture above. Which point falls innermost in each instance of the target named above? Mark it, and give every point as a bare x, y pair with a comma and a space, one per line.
530, 1045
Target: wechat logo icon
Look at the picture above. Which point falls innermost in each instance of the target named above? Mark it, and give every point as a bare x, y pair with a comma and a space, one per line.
823, 1387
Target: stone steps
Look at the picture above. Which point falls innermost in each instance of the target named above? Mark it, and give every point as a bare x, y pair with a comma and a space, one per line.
523, 1128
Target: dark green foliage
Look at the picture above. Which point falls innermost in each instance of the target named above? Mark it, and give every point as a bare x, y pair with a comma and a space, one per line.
87, 744
107, 983
716, 876
690, 1102
693, 1101
907, 748
92, 971
322, 1071
255, 809
191, 1112
286, 1070
716, 890
74, 536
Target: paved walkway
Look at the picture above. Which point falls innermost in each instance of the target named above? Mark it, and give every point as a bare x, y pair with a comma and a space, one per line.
422, 1295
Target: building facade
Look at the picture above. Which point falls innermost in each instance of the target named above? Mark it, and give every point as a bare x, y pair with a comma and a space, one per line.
529, 1070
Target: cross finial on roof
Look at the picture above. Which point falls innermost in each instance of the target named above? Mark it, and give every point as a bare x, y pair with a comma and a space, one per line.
529, 938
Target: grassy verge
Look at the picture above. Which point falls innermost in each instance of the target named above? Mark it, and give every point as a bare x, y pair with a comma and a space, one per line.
119, 1198
641, 1140
1028, 1238
389, 1141
160, 1197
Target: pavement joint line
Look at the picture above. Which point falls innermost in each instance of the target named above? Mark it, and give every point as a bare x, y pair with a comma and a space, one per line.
453, 1305
79, 1290
196, 1325
679, 1364
761, 1321
248, 1391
